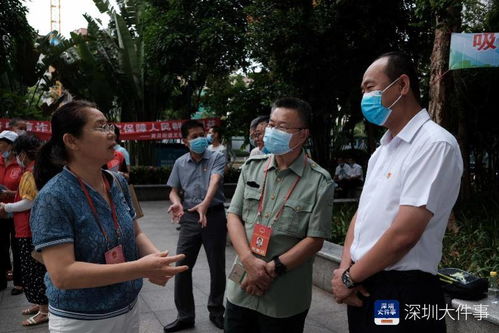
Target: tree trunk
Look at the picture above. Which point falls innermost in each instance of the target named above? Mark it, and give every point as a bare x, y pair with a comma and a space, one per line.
442, 86
441, 83
320, 131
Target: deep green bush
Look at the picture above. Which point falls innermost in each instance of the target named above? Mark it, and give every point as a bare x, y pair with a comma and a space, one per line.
159, 175
149, 175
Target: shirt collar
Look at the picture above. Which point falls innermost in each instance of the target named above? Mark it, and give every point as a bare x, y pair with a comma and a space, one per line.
298, 165
206, 155
410, 129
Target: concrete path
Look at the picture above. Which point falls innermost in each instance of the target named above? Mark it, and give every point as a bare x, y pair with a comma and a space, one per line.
157, 307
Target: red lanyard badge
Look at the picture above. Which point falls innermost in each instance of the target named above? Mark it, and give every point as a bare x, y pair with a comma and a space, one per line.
117, 227
261, 234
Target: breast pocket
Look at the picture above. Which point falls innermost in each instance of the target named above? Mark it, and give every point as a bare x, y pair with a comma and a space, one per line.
295, 218
250, 205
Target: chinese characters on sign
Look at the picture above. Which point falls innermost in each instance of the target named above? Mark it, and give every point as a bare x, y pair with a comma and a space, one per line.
432, 312
484, 41
386, 312
474, 50
158, 130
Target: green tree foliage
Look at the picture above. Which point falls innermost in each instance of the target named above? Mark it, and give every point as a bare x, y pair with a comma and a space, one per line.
318, 50
17, 58
189, 41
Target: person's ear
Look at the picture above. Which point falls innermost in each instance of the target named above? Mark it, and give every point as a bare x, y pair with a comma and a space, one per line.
70, 142
405, 84
186, 142
305, 134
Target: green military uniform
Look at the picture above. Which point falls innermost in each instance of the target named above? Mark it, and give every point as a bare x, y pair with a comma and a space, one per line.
307, 213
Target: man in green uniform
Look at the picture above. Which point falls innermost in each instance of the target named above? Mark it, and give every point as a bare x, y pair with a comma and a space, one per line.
278, 219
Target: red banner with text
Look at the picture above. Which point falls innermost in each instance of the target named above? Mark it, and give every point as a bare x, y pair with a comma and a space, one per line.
145, 130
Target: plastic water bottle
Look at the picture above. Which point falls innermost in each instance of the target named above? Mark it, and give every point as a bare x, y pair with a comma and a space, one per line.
494, 287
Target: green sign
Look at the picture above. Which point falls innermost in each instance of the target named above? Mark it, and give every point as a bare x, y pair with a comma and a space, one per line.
474, 50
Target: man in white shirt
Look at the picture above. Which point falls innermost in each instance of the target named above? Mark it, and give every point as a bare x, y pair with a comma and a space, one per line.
394, 242
356, 174
342, 178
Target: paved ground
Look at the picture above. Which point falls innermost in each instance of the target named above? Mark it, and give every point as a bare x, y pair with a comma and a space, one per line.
156, 304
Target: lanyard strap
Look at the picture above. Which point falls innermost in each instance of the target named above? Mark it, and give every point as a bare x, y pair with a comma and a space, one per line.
290, 191
94, 210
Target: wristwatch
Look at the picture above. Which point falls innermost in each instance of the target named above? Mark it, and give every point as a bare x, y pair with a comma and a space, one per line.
347, 279
280, 268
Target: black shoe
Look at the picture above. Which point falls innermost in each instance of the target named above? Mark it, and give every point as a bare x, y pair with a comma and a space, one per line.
16, 291
178, 325
218, 321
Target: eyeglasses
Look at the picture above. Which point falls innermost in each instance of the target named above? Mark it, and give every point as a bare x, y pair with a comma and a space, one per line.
284, 129
105, 128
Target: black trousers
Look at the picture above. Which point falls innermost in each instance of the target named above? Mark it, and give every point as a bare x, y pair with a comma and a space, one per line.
243, 320
213, 238
8, 242
408, 288
33, 273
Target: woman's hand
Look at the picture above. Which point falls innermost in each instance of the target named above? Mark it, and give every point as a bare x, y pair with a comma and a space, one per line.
157, 267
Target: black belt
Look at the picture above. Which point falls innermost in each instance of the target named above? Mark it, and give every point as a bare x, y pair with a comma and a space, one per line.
393, 276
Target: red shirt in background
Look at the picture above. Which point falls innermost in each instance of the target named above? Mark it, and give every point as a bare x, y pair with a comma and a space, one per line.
116, 163
10, 176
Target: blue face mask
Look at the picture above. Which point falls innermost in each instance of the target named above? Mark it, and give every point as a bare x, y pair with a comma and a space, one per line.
372, 106
199, 145
6, 154
209, 137
276, 141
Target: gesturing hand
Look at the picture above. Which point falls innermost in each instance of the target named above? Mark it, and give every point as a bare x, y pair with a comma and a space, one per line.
176, 211
157, 267
201, 208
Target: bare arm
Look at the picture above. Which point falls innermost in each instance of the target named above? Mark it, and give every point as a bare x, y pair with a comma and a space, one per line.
405, 231
210, 193
67, 273
346, 258
174, 196
396, 241
212, 188
143, 242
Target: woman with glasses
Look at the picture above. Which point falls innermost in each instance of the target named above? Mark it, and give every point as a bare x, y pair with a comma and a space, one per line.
83, 223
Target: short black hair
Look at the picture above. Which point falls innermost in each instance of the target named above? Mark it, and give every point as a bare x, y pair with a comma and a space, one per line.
399, 63
27, 143
186, 126
300, 106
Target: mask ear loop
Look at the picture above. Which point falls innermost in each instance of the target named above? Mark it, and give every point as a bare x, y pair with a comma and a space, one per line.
391, 84
301, 129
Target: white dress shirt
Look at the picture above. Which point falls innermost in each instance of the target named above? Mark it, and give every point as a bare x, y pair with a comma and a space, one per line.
420, 166
342, 171
356, 171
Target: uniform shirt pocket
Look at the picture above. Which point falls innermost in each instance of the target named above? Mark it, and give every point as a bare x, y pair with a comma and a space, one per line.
295, 218
250, 205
